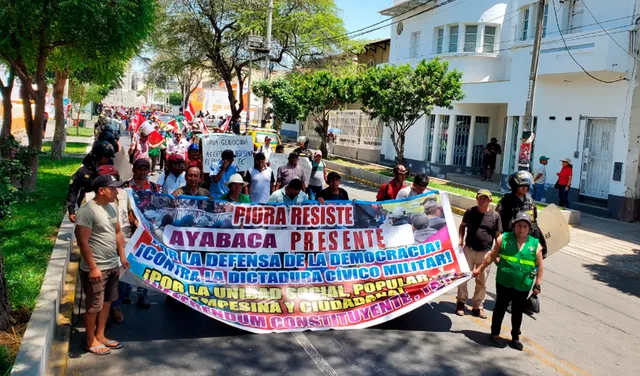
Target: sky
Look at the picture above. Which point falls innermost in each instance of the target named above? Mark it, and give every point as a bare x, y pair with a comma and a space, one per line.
358, 14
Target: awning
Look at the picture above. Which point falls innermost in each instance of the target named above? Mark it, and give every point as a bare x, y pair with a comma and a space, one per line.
403, 7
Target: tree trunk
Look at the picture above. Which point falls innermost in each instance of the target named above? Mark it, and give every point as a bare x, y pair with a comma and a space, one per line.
59, 137
5, 322
7, 107
33, 124
323, 136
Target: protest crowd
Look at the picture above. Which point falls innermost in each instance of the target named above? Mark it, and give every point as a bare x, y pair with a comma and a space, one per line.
172, 148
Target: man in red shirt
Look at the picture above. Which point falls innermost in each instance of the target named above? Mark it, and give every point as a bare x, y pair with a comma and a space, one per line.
390, 190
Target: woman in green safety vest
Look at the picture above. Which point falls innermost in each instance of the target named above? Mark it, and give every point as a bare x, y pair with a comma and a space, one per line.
519, 265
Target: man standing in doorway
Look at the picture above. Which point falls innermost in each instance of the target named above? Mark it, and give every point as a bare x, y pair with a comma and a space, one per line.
491, 152
482, 226
102, 250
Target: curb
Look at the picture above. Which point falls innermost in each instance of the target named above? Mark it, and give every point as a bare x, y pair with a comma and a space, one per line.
35, 355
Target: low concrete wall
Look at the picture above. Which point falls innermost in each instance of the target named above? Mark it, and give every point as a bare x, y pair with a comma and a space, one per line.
462, 202
35, 350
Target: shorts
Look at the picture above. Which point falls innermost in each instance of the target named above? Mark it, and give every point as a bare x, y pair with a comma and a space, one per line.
104, 291
489, 164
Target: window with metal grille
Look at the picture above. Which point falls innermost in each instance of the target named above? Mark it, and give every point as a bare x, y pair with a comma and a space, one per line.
489, 39
440, 34
544, 22
432, 123
470, 38
442, 139
525, 24
463, 126
453, 38
480, 141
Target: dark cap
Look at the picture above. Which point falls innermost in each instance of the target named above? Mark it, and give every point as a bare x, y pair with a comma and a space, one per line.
141, 162
294, 155
228, 154
522, 216
106, 181
333, 175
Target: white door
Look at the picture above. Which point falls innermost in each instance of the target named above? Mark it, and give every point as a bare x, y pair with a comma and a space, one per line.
597, 158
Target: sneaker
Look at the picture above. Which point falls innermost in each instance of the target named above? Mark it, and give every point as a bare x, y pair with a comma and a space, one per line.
460, 309
479, 312
516, 344
143, 302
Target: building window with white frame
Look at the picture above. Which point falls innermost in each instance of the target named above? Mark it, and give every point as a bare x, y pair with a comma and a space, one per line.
415, 43
453, 38
524, 32
440, 37
489, 39
470, 38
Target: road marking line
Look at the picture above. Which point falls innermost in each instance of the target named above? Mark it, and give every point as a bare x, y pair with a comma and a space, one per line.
318, 359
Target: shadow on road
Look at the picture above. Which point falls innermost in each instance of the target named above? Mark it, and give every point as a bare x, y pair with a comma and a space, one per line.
621, 272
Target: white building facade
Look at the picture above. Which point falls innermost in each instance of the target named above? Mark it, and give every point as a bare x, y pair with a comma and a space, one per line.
595, 123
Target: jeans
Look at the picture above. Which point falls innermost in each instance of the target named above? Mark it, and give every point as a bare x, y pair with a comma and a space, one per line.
538, 192
124, 289
518, 300
563, 196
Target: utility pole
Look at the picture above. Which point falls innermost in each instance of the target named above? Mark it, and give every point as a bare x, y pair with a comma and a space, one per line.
249, 87
267, 60
533, 75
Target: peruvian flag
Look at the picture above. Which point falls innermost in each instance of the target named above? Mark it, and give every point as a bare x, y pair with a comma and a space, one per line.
121, 112
189, 112
225, 126
174, 124
139, 120
203, 126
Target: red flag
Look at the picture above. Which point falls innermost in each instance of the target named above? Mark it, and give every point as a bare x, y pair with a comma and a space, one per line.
225, 126
203, 126
139, 120
189, 112
173, 123
155, 137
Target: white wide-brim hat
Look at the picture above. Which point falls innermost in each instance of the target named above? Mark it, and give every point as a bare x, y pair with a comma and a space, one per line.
236, 178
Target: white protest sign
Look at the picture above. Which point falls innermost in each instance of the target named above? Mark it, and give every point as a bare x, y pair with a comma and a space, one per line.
278, 160
214, 144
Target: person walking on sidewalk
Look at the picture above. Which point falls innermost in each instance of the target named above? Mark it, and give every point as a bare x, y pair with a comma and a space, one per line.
482, 226
540, 180
389, 191
520, 268
102, 250
491, 152
564, 182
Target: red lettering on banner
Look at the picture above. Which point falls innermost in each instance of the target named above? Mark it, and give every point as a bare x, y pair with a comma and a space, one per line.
346, 240
308, 241
333, 240
281, 216
295, 216
295, 238
191, 237
330, 218
358, 240
177, 239
206, 240
238, 212
315, 217
381, 244
321, 241
224, 240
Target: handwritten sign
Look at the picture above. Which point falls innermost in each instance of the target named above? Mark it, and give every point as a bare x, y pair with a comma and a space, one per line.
215, 144
278, 160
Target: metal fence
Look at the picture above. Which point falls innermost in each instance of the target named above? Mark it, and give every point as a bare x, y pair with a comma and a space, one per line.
357, 130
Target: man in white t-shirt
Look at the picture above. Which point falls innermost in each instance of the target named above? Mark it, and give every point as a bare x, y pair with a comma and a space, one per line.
261, 180
540, 178
419, 186
177, 145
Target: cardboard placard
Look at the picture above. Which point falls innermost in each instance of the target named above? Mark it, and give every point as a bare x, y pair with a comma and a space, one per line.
214, 144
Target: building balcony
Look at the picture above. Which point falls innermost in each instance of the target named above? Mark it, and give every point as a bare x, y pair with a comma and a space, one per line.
594, 50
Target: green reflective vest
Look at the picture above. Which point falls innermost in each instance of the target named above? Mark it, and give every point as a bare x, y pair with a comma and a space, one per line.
516, 268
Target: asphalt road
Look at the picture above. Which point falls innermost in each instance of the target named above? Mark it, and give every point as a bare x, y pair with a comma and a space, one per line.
588, 325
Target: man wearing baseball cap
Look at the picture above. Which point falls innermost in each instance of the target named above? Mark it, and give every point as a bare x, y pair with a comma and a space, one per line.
221, 173
482, 226
102, 250
175, 177
389, 191
333, 192
540, 179
520, 268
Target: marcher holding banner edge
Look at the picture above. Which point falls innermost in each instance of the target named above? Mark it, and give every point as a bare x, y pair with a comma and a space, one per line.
520, 268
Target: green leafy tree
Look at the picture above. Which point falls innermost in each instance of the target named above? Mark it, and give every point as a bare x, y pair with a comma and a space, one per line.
175, 98
31, 31
320, 92
399, 95
284, 102
219, 30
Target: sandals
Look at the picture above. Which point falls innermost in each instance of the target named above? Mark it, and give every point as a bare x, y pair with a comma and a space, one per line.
113, 344
95, 350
